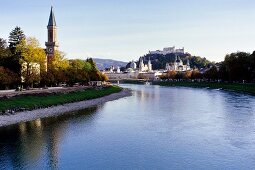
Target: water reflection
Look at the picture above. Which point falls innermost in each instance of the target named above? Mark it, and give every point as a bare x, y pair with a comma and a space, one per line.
26, 144
156, 128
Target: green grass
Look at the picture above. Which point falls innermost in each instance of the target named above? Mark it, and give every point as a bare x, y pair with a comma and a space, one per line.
33, 102
245, 88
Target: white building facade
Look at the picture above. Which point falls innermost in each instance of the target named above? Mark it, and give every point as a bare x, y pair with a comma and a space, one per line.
145, 67
178, 65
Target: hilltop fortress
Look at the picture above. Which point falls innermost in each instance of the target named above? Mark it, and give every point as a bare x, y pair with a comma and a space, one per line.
143, 68
168, 50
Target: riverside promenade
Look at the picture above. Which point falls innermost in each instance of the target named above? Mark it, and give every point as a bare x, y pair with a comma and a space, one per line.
40, 91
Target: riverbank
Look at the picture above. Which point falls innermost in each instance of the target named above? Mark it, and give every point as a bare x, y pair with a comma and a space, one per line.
40, 91
44, 99
58, 110
236, 87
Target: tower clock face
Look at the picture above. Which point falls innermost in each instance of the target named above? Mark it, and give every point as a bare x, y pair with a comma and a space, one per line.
50, 50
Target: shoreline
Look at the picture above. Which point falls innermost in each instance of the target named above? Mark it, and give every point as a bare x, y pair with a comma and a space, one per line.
246, 88
26, 116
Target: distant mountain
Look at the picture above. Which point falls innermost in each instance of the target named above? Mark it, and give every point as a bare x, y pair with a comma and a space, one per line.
107, 63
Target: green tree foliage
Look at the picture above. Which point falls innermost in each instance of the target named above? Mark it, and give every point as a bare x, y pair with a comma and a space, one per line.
15, 37
78, 71
71, 72
212, 74
223, 74
33, 59
252, 65
58, 61
199, 62
56, 70
25, 58
238, 67
95, 74
8, 79
5, 55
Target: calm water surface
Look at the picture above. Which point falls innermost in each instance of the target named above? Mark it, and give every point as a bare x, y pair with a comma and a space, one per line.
156, 128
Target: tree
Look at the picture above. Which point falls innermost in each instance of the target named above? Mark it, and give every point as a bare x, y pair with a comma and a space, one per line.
179, 75
252, 66
104, 77
78, 71
222, 73
187, 75
94, 74
199, 62
7, 78
211, 74
171, 74
58, 61
57, 70
33, 60
15, 37
3, 44
196, 74
92, 63
238, 66
4, 54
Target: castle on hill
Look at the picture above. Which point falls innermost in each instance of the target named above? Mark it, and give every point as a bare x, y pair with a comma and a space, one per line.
143, 68
168, 50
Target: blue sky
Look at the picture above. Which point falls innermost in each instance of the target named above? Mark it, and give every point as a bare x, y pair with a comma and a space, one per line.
127, 29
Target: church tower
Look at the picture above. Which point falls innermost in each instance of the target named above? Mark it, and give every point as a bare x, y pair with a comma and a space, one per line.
149, 65
52, 44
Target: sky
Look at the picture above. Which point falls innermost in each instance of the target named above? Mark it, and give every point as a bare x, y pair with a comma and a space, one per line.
127, 29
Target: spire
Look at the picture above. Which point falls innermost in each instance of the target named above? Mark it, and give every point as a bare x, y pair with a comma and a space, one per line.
149, 62
188, 62
52, 20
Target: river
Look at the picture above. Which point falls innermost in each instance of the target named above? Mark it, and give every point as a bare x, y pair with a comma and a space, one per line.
156, 128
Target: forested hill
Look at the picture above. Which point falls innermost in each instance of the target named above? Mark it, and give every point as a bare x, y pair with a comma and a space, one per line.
107, 63
159, 61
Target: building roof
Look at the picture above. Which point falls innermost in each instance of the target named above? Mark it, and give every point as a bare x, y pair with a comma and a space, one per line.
52, 20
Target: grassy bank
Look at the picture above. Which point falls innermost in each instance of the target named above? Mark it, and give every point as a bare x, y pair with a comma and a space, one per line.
33, 101
244, 88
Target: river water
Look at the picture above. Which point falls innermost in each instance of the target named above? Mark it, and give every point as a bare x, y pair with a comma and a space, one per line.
156, 128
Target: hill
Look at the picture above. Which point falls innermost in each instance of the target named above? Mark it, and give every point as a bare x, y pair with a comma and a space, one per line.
159, 60
107, 63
